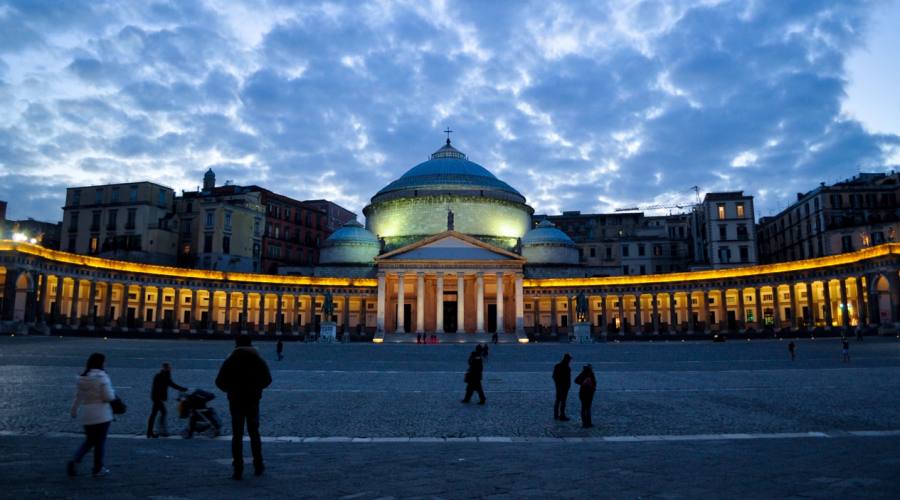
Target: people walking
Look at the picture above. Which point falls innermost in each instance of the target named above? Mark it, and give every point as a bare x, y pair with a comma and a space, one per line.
159, 393
243, 376
792, 348
845, 350
588, 385
279, 349
562, 378
93, 394
474, 375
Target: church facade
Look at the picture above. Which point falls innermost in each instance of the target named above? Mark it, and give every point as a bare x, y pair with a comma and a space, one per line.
447, 250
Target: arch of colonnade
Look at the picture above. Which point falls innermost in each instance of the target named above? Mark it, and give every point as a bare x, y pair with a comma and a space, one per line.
49, 288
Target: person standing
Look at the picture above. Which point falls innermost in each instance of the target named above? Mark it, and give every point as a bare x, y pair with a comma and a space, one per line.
845, 350
159, 393
588, 383
279, 349
93, 394
474, 375
792, 349
562, 378
243, 376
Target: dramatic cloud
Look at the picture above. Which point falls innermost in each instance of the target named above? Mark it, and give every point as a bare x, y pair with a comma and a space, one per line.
584, 106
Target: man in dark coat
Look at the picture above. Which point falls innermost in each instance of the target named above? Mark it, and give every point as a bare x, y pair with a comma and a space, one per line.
562, 378
159, 393
473, 376
243, 376
588, 385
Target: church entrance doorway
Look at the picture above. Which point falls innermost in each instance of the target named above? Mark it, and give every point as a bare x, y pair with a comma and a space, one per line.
449, 316
407, 318
492, 318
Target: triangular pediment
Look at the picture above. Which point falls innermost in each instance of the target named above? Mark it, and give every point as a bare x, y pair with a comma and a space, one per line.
450, 246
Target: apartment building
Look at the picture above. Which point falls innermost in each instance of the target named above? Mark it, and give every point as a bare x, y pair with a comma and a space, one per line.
724, 231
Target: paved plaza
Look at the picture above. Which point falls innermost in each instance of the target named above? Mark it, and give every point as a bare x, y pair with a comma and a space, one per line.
674, 420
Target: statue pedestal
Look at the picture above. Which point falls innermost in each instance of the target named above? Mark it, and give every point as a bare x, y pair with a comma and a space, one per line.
583, 332
327, 332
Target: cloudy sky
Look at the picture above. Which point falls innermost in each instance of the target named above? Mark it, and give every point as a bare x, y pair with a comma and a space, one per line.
586, 106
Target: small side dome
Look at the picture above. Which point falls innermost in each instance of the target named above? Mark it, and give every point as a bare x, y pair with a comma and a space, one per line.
351, 244
546, 244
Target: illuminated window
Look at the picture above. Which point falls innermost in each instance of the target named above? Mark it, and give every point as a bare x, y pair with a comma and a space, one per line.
95, 244
721, 208
740, 210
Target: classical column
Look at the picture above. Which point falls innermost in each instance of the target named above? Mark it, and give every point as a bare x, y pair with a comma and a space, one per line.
621, 301
776, 309
479, 303
227, 322
861, 302
45, 291
122, 322
845, 310
179, 296
346, 316
460, 303
73, 307
420, 302
400, 302
792, 298
826, 293
245, 311
690, 312
741, 314
210, 297
57, 302
520, 305
723, 310
810, 306
704, 311
553, 315
501, 327
279, 314
107, 304
655, 302
759, 308
602, 321
439, 304
261, 314
894, 286
195, 309
379, 306
142, 307
673, 314
92, 303
536, 324
638, 315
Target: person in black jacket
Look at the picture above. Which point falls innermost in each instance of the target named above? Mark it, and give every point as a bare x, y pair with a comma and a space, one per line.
473, 376
588, 383
562, 378
159, 394
243, 376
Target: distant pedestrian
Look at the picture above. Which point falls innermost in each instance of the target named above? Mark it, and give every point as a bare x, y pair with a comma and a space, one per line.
418, 338
562, 379
495, 338
859, 334
243, 376
474, 375
792, 348
588, 383
845, 350
93, 394
279, 349
159, 393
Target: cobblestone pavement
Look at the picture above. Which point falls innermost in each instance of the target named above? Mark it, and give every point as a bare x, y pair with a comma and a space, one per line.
661, 391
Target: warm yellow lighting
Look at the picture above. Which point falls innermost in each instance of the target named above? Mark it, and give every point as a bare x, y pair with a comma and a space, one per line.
377, 340
19, 237
175, 272
523, 341
736, 272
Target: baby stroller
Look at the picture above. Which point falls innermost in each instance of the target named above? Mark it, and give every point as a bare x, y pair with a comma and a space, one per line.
201, 418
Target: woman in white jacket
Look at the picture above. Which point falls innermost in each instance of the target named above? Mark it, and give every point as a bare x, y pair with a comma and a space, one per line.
93, 394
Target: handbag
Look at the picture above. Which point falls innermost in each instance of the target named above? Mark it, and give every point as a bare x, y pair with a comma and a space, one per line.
118, 406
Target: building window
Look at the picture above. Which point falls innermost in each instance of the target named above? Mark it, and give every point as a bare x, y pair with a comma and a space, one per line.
641, 250
657, 250
209, 218
111, 217
98, 196
132, 194
73, 222
114, 195
207, 242
740, 210
76, 197
625, 251
723, 232
609, 253
130, 221
724, 255
186, 249
95, 220
226, 244
227, 219
721, 209
94, 245
625, 269
72, 244
745, 253
593, 251
742, 232
162, 197
643, 269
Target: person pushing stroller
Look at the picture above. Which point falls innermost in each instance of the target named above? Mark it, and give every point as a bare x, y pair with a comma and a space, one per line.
201, 418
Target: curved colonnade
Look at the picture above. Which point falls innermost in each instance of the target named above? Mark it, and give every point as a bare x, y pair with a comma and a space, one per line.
48, 289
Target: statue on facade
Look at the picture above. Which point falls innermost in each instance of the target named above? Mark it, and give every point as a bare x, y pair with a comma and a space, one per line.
449, 220
581, 307
328, 307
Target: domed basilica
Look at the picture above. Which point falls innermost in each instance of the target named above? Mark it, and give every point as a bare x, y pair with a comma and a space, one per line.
444, 238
